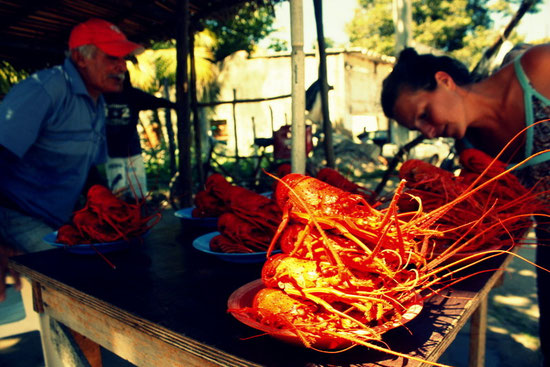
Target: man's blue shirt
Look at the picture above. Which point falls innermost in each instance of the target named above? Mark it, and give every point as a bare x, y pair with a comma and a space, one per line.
54, 133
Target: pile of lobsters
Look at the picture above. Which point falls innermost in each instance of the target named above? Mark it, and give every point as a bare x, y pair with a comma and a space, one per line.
246, 220
106, 218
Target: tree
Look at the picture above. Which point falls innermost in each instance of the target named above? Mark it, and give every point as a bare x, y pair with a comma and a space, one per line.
372, 26
461, 28
9, 76
155, 70
251, 24
158, 64
329, 43
278, 45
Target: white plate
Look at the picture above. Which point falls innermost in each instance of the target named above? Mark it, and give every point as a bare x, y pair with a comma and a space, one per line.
243, 297
202, 244
88, 249
186, 217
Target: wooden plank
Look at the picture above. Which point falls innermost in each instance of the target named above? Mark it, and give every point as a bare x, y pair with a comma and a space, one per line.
478, 332
127, 340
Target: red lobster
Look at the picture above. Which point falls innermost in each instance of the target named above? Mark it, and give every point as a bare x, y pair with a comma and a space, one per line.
210, 202
240, 235
336, 179
106, 218
349, 271
502, 207
247, 220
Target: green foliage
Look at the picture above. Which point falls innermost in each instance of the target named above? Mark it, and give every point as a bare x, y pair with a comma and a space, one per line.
220, 38
149, 72
278, 45
165, 67
161, 45
329, 43
251, 24
157, 168
462, 28
372, 27
207, 71
155, 66
9, 76
541, 41
157, 161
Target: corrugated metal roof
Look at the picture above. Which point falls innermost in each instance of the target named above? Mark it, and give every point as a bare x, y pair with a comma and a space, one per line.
34, 33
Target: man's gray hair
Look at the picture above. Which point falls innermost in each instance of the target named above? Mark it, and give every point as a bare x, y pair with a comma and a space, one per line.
88, 51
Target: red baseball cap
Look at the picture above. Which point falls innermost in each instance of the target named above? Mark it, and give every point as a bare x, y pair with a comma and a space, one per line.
105, 36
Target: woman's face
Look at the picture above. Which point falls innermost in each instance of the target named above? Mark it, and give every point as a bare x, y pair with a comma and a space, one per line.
434, 113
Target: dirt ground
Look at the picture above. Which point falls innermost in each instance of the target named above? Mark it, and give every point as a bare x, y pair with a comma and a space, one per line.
512, 326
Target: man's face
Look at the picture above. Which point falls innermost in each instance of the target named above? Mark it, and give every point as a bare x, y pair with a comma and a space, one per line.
101, 73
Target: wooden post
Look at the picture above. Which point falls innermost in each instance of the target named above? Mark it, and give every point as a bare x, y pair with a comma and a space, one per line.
169, 129
271, 116
196, 117
327, 126
478, 331
235, 125
254, 135
184, 182
298, 145
402, 18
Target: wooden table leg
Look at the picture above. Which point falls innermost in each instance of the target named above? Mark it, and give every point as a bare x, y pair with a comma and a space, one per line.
61, 346
478, 333
64, 347
89, 348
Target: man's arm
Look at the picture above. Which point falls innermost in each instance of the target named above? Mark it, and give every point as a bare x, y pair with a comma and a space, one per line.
145, 101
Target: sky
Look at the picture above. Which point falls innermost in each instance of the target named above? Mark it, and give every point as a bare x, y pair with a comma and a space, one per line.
336, 13
536, 26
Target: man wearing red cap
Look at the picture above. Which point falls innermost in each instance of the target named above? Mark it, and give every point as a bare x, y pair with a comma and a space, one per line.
52, 132
105, 73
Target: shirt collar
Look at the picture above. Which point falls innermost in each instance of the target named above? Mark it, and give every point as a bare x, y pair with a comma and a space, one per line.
77, 84
75, 79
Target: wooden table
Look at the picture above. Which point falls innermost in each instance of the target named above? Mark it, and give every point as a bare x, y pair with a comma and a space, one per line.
165, 305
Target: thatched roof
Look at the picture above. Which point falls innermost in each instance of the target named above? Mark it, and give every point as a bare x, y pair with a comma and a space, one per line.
34, 33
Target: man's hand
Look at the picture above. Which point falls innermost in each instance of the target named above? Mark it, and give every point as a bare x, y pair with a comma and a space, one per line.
5, 253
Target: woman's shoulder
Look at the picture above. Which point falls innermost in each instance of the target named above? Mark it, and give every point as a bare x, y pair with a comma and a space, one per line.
536, 64
536, 56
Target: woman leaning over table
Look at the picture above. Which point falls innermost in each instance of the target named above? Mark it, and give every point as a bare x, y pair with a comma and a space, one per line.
437, 96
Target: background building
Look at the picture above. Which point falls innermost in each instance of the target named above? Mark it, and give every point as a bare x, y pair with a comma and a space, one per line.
355, 75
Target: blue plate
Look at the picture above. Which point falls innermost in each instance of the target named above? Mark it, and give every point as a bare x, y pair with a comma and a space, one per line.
186, 218
202, 243
87, 249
